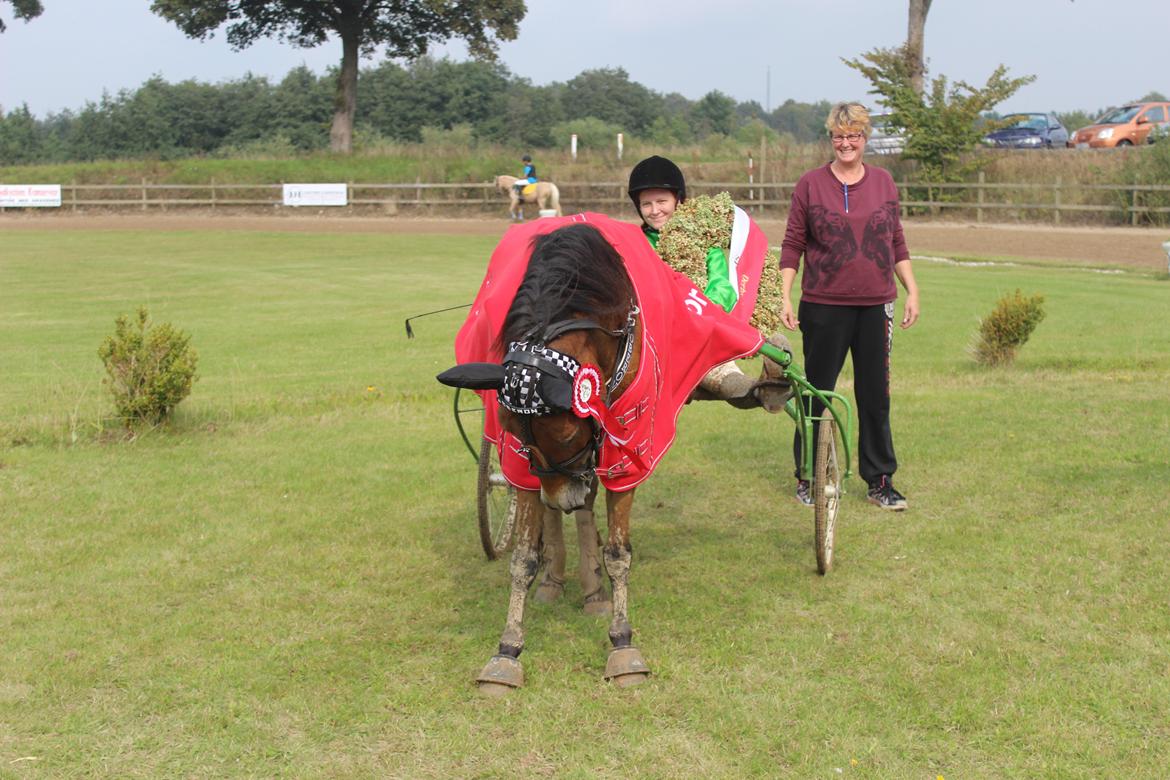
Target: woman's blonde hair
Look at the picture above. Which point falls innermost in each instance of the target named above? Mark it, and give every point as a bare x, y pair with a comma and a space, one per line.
845, 117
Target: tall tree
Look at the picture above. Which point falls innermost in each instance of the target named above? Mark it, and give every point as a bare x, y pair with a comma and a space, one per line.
915, 47
23, 9
405, 27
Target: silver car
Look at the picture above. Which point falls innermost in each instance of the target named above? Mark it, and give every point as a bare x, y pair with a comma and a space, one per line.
884, 139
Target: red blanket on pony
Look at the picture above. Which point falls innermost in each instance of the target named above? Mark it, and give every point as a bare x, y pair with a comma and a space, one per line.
684, 336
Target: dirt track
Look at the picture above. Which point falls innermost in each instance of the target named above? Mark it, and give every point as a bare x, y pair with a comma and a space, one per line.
1129, 247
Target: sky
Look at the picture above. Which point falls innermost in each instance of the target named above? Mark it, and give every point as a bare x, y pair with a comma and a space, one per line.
1086, 54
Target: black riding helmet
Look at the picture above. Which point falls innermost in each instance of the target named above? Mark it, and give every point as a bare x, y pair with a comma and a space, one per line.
656, 173
528, 158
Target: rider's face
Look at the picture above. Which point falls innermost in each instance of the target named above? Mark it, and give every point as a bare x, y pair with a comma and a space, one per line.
656, 206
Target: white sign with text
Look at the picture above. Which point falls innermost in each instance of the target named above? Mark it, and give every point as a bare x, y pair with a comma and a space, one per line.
30, 195
315, 195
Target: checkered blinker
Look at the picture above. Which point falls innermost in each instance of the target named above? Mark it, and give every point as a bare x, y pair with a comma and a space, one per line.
537, 380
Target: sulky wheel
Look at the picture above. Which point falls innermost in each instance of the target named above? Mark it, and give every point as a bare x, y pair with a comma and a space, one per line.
827, 490
496, 501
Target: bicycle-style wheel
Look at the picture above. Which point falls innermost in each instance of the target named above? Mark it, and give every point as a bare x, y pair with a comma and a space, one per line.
827, 487
496, 501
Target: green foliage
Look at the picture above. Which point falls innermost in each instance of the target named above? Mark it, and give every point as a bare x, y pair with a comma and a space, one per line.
1075, 120
714, 113
942, 124
150, 368
702, 222
805, 122
23, 9
1007, 328
1149, 165
608, 94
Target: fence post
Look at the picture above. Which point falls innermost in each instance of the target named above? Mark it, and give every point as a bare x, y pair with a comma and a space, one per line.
417, 191
763, 164
75, 194
213, 193
1134, 208
1056, 200
979, 199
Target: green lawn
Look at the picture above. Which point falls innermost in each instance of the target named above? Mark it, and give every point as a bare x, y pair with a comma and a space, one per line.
287, 581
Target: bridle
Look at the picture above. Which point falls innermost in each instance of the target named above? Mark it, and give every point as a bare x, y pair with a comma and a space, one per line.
539, 381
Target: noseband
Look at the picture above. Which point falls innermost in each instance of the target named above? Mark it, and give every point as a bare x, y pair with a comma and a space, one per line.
539, 381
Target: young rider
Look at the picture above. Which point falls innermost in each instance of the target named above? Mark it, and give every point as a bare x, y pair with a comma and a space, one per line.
657, 187
528, 176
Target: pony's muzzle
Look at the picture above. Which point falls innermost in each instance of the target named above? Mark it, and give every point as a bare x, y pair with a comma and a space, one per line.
568, 497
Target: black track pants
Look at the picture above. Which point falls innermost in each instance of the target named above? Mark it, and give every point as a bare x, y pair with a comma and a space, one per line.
866, 331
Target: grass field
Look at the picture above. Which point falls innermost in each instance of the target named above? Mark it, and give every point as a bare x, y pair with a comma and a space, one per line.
286, 581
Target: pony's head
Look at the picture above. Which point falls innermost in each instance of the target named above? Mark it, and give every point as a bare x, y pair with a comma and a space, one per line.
566, 342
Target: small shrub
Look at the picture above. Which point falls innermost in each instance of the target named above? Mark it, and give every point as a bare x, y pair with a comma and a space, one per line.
150, 368
1007, 328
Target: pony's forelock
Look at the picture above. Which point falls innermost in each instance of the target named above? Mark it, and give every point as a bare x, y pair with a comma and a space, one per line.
572, 270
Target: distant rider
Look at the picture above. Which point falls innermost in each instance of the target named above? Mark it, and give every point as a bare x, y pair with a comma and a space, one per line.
526, 178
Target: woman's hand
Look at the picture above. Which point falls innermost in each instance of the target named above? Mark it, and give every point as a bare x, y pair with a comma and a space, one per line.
910, 310
787, 316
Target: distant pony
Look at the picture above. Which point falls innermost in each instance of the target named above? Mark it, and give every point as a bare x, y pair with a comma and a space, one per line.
544, 194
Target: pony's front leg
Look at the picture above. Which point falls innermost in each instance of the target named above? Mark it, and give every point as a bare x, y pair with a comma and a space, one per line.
504, 672
552, 584
625, 665
589, 570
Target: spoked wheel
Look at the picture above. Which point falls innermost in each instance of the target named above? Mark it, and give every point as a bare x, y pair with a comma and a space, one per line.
826, 492
496, 501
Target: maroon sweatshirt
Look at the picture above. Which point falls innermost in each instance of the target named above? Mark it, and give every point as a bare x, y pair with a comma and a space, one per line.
850, 236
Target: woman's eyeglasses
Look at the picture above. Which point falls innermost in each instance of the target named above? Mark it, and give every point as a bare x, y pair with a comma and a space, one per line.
850, 137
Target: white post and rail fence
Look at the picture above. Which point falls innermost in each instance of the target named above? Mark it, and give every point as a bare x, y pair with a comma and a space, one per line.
1055, 202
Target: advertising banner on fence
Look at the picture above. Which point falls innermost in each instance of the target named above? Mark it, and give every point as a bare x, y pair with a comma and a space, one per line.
22, 196
315, 194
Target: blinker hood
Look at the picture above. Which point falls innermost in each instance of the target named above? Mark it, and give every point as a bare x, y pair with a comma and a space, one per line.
474, 376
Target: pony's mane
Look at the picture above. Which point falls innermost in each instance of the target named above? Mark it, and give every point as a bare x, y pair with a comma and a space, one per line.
573, 271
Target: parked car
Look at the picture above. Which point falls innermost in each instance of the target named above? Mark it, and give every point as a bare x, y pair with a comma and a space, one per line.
1124, 126
884, 139
1029, 131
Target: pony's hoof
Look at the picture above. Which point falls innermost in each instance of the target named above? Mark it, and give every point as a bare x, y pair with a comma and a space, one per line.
500, 675
598, 606
626, 667
548, 592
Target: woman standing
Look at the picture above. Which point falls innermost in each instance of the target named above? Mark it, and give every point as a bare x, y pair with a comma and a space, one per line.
844, 220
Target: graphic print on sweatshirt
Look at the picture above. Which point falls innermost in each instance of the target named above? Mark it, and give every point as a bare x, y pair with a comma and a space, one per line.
877, 243
831, 230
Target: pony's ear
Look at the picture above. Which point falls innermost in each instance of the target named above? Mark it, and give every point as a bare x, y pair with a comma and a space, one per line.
474, 376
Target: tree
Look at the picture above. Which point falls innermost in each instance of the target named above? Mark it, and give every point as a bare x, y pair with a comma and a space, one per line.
713, 113
609, 95
915, 49
942, 124
405, 27
23, 9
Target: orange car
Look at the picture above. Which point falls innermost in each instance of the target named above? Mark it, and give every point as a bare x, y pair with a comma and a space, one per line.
1123, 126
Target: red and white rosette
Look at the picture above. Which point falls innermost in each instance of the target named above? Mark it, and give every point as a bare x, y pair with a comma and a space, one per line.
587, 388
589, 401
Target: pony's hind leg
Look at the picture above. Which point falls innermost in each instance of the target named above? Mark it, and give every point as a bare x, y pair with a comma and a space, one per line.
504, 672
625, 665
